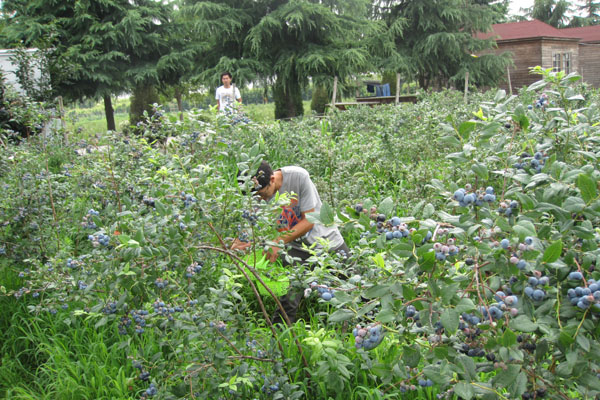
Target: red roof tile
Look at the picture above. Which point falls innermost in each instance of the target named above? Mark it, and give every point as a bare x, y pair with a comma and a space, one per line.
524, 30
586, 33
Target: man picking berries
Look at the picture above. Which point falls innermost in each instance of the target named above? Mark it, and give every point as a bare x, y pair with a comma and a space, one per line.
295, 229
227, 94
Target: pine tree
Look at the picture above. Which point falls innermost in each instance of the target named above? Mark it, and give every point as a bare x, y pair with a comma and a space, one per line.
433, 41
101, 48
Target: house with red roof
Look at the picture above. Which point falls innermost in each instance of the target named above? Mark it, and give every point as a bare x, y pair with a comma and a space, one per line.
537, 43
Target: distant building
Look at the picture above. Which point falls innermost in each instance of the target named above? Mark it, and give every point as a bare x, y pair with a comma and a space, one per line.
537, 43
9, 69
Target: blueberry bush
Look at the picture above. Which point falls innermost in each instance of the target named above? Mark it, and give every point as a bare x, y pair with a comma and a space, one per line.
474, 236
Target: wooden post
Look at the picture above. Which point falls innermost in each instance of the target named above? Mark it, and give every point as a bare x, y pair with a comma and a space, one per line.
61, 109
466, 85
509, 84
335, 79
397, 88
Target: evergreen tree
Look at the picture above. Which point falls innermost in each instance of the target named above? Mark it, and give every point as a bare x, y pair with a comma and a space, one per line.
300, 39
283, 41
433, 41
591, 14
101, 48
552, 12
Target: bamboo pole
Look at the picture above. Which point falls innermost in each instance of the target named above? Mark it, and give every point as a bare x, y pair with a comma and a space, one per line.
509, 83
335, 83
397, 88
466, 85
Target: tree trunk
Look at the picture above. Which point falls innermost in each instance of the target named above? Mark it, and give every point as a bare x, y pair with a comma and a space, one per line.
179, 102
288, 98
110, 113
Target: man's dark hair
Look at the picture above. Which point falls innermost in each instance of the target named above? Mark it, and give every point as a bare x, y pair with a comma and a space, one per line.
263, 175
226, 73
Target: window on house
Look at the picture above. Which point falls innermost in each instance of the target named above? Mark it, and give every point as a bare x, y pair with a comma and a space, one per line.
561, 62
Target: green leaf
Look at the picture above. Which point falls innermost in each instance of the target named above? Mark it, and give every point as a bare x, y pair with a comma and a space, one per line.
102, 322
428, 210
411, 356
162, 210
449, 320
481, 171
523, 324
583, 342
552, 252
386, 206
386, 316
509, 338
464, 390
506, 377
574, 204
468, 366
465, 129
587, 187
326, 215
341, 315
519, 386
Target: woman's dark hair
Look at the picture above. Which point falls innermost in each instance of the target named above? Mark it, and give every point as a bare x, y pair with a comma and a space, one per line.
226, 73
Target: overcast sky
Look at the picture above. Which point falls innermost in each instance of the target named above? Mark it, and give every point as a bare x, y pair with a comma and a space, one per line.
516, 5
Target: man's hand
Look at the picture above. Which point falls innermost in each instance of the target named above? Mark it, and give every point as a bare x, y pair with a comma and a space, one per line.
272, 254
239, 245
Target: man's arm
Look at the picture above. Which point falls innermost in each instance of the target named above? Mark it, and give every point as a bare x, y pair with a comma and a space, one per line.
299, 230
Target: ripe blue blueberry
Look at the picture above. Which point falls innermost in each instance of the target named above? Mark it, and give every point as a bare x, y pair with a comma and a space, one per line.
575, 276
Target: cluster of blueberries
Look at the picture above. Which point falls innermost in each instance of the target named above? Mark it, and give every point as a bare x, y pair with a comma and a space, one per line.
73, 264
87, 221
151, 391
508, 208
193, 138
188, 199
251, 217
584, 297
478, 198
99, 239
269, 388
471, 351
324, 292
535, 163
110, 308
368, 337
161, 283
139, 317
220, 326
144, 376
193, 269
253, 344
533, 291
82, 285
397, 229
515, 257
443, 250
541, 102
506, 302
149, 201
160, 308
124, 323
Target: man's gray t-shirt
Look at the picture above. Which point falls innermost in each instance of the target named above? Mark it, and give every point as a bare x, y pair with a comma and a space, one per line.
297, 184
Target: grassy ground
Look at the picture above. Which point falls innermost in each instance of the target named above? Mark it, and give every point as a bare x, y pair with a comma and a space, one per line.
91, 122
